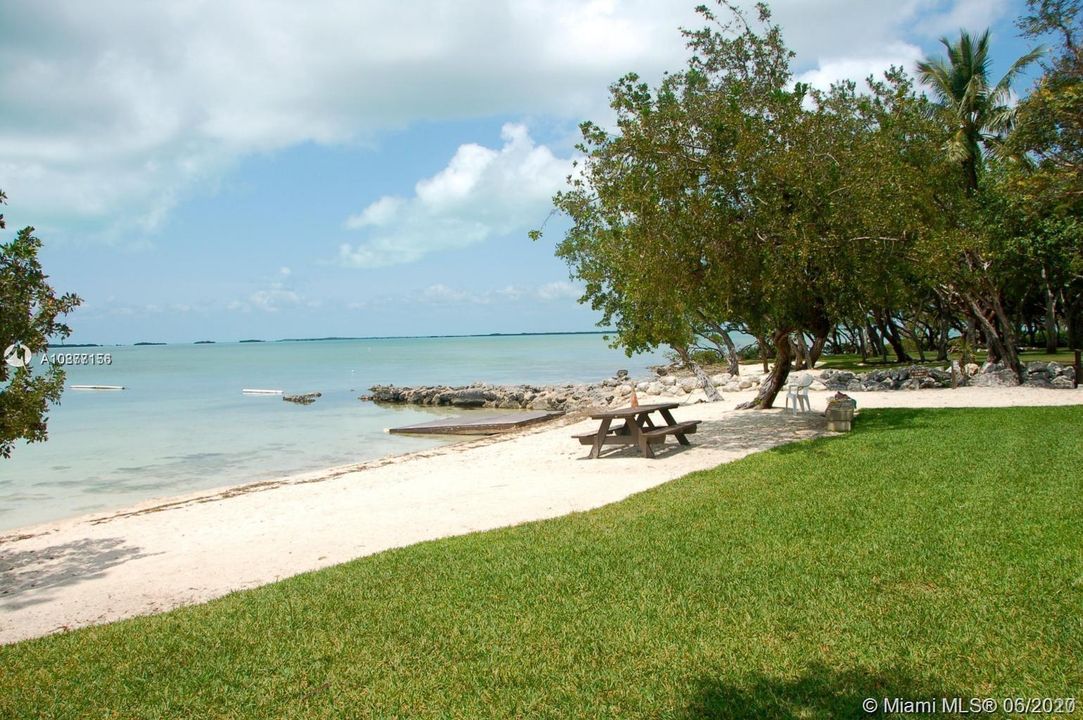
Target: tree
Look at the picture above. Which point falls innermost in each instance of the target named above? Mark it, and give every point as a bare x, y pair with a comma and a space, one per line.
723, 199
1047, 178
978, 113
29, 309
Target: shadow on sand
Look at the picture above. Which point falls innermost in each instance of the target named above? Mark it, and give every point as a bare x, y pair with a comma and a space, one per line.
26, 575
738, 432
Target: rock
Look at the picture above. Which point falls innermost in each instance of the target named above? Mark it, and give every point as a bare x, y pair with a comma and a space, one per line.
689, 384
621, 374
1062, 382
971, 369
745, 383
732, 386
303, 398
655, 388
668, 380
995, 378
643, 386
625, 390
720, 380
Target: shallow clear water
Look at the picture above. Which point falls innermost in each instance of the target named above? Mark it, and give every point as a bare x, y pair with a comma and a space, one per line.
182, 423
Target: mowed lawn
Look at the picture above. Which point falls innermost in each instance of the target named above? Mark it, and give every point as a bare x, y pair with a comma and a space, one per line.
930, 553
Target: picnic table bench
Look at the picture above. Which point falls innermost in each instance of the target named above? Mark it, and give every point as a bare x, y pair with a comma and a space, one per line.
637, 428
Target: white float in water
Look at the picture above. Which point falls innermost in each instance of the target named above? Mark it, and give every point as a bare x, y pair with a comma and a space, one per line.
258, 391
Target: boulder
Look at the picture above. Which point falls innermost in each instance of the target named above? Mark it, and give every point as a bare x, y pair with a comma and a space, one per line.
302, 398
995, 378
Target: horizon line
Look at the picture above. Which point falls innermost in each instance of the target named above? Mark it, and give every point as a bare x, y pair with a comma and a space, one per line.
336, 337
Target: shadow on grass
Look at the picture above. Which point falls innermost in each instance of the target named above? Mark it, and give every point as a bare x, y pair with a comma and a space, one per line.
26, 574
819, 692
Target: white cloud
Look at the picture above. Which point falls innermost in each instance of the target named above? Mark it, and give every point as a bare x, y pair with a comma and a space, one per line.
442, 294
857, 69
481, 193
561, 290
118, 111
271, 299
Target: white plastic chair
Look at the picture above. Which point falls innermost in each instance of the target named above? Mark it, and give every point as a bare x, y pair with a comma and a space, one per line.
797, 394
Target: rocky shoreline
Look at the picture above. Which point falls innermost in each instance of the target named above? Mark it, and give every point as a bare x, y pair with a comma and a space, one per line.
918, 377
672, 383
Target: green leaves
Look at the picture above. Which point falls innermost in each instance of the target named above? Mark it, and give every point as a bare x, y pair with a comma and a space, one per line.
29, 312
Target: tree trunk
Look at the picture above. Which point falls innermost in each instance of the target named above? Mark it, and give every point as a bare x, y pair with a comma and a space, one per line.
890, 331
968, 340
1050, 315
733, 362
803, 360
942, 339
816, 351
863, 346
1001, 341
762, 342
708, 387
877, 346
776, 380
1073, 320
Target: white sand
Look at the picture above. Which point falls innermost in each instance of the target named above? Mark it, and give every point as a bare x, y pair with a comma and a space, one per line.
165, 554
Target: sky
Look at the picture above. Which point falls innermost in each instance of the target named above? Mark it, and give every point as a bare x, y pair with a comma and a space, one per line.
234, 169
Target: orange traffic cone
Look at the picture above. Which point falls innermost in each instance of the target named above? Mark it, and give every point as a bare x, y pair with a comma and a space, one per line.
635, 400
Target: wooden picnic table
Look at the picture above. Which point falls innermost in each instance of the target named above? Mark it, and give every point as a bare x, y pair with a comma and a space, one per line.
638, 428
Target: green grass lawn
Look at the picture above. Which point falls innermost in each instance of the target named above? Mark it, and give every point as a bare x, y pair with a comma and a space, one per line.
854, 362
929, 553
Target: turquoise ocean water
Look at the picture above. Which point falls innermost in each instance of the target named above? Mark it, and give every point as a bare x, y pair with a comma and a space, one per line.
183, 425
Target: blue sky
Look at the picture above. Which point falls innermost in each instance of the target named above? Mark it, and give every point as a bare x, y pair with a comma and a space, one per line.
242, 169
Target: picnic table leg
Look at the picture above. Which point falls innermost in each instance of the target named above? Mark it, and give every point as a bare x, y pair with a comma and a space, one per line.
671, 422
599, 439
641, 440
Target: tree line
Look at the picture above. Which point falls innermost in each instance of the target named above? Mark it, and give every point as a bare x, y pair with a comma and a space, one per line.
883, 220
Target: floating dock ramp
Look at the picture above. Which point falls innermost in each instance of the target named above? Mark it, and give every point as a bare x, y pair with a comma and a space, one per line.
480, 425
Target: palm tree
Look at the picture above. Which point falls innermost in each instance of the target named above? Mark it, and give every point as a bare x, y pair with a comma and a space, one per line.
980, 113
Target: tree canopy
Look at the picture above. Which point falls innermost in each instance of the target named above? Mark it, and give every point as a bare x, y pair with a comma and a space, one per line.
732, 197
29, 312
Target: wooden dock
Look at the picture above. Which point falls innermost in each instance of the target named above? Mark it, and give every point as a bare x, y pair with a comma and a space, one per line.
477, 425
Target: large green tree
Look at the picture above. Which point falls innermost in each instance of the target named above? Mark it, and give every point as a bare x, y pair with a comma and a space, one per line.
978, 114
29, 312
1045, 184
731, 194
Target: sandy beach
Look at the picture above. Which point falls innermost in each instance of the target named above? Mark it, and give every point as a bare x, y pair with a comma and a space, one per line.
167, 553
